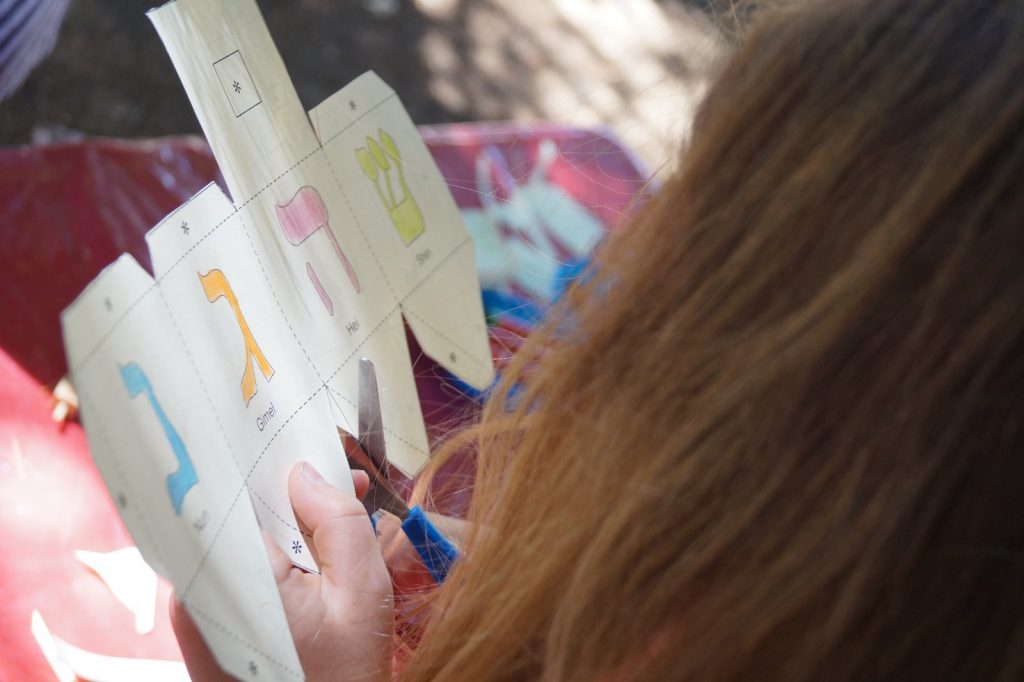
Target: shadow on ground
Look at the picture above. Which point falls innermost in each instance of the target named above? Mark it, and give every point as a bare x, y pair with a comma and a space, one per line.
637, 66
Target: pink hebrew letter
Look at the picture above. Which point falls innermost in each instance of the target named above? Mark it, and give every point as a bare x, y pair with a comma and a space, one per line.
303, 215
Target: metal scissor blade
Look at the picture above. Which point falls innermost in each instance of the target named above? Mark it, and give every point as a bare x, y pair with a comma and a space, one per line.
380, 495
371, 427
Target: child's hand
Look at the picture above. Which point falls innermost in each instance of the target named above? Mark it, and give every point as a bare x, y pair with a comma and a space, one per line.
343, 619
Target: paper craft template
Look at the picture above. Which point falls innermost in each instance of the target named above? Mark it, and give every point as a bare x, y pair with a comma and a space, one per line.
202, 384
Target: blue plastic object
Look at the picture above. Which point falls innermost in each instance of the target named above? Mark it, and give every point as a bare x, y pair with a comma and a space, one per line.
437, 553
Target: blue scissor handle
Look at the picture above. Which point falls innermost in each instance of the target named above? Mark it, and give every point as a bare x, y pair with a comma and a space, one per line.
437, 553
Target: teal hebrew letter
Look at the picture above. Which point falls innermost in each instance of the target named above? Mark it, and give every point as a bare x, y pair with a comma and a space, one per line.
180, 481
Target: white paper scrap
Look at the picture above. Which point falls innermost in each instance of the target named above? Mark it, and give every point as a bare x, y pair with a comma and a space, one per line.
70, 662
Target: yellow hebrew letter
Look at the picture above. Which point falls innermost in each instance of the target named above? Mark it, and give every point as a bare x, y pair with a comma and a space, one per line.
403, 210
215, 284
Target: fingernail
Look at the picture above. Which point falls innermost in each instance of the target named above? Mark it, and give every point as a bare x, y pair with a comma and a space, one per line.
311, 474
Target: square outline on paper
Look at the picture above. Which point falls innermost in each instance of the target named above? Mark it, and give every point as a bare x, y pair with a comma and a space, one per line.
259, 98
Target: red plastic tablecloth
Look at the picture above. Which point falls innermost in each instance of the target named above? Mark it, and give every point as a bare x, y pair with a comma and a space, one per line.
68, 210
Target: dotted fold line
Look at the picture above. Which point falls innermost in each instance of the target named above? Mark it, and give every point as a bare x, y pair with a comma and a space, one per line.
397, 435
357, 119
444, 336
206, 392
192, 608
213, 542
278, 516
245, 485
357, 221
138, 510
280, 308
398, 306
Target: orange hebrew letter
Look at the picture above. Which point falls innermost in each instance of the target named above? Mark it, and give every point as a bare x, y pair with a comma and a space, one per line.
215, 284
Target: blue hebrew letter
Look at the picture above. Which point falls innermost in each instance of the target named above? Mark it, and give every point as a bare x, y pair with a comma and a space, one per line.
180, 481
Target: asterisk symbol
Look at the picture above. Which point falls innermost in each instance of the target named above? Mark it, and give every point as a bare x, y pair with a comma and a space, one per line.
110, 306
236, 86
253, 670
184, 227
122, 501
451, 356
352, 104
297, 547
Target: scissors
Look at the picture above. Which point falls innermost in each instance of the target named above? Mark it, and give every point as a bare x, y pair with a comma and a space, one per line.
435, 550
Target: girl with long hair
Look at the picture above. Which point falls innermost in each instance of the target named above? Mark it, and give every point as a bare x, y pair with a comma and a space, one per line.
776, 433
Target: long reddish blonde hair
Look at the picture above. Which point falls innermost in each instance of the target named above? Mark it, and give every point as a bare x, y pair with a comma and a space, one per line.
778, 433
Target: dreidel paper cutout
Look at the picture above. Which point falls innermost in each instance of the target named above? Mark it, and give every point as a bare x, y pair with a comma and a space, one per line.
250, 330
333, 286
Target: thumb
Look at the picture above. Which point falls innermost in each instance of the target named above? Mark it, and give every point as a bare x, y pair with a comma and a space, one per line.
342, 534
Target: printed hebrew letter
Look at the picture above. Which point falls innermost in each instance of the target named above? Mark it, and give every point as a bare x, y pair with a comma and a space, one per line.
404, 212
321, 292
300, 217
215, 284
184, 477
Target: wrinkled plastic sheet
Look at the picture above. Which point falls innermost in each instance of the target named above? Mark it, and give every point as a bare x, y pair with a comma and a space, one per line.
67, 211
